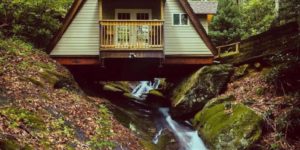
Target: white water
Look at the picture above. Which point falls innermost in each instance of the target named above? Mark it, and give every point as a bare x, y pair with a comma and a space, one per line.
188, 139
144, 87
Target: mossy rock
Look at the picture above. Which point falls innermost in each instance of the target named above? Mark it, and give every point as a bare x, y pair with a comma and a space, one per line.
219, 100
156, 93
110, 88
130, 96
193, 93
228, 126
122, 85
240, 71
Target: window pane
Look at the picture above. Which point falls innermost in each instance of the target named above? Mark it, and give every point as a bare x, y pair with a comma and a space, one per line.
176, 19
142, 16
123, 16
184, 19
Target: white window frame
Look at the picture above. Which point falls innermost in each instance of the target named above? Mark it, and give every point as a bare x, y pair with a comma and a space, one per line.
180, 23
133, 12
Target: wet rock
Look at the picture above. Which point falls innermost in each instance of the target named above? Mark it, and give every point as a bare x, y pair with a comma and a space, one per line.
194, 92
156, 94
228, 126
156, 99
110, 88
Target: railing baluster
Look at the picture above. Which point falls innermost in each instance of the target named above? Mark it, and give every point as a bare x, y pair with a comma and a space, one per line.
137, 34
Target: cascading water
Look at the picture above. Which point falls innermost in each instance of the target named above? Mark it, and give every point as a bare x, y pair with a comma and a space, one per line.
188, 138
144, 87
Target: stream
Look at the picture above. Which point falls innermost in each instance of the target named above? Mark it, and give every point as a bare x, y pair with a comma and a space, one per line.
186, 137
151, 122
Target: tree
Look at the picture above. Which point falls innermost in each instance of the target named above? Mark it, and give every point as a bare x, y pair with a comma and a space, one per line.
32, 20
226, 25
257, 16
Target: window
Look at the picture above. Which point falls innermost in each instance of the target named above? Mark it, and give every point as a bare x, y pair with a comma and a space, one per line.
180, 19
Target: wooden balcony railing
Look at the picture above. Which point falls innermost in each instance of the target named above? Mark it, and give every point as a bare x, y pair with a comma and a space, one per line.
131, 34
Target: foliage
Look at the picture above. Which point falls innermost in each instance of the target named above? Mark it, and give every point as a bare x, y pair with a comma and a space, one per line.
235, 21
104, 130
32, 20
257, 16
284, 73
226, 25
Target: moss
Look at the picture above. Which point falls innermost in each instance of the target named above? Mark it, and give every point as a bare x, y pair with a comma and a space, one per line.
193, 93
218, 100
156, 93
16, 47
18, 115
103, 131
110, 88
51, 79
122, 85
129, 96
241, 71
193, 80
223, 127
35, 81
260, 91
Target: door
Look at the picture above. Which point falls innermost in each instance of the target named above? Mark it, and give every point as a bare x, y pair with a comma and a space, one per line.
133, 34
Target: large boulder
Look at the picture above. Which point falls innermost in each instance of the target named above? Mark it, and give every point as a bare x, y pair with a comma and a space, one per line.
193, 93
228, 126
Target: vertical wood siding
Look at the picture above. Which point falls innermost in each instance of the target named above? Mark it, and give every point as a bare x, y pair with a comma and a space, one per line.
82, 36
182, 39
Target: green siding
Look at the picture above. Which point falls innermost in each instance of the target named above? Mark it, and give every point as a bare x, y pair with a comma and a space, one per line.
182, 39
82, 36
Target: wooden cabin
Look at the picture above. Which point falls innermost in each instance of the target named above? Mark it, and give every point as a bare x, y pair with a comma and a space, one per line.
169, 31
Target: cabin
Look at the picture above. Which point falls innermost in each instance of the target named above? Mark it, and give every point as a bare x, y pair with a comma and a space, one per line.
166, 31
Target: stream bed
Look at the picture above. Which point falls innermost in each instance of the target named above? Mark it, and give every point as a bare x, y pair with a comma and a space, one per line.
154, 124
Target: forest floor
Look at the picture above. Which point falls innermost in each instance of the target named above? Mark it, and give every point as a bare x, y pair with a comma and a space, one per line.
276, 109
42, 107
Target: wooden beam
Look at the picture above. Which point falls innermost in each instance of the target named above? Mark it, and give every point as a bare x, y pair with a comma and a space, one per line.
77, 61
188, 60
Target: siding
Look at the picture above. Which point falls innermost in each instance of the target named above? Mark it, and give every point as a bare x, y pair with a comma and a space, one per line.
182, 39
82, 36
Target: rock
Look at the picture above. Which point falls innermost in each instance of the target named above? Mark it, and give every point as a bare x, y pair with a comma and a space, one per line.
156, 93
193, 93
130, 96
240, 71
228, 126
156, 99
110, 88
219, 100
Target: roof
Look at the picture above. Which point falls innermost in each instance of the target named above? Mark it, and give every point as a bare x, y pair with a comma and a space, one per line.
201, 7
77, 5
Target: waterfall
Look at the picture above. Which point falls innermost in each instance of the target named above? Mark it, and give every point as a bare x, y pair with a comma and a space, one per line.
144, 87
188, 139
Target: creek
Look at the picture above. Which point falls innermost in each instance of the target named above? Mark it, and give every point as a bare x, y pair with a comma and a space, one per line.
152, 122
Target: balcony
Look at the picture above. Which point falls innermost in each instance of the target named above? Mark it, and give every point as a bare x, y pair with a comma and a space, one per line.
132, 35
